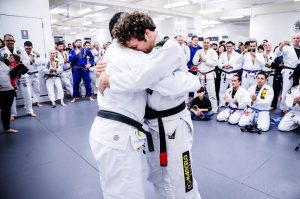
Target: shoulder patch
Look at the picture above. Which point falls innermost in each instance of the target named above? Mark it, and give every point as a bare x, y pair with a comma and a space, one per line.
162, 42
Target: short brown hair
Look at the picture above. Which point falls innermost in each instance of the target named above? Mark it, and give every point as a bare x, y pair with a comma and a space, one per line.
133, 26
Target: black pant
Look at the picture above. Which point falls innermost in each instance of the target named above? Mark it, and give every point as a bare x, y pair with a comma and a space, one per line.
6, 100
218, 81
277, 86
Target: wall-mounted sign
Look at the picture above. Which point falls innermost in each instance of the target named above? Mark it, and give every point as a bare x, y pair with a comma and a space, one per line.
24, 34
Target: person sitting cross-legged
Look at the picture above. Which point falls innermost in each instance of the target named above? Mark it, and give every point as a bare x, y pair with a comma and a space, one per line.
201, 106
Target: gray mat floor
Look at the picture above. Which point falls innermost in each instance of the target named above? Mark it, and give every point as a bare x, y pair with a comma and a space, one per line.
51, 159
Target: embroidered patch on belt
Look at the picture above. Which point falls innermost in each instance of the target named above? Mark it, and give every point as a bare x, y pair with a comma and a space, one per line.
172, 137
187, 169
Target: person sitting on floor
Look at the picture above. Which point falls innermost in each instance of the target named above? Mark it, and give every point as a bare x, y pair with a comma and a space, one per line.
259, 105
236, 98
201, 106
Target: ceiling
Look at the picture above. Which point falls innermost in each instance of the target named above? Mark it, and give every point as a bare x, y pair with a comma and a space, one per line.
71, 17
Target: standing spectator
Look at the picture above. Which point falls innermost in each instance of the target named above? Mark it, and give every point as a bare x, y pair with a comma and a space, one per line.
221, 50
206, 60
7, 94
32, 60
201, 106
277, 65
52, 75
185, 48
66, 76
269, 58
194, 47
291, 58
81, 65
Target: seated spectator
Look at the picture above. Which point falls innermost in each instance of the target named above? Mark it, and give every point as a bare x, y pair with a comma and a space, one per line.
236, 98
52, 75
201, 106
291, 120
258, 113
7, 94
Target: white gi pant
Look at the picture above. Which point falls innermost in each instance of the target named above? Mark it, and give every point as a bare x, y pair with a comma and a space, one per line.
290, 121
262, 119
93, 82
210, 89
34, 82
120, 170
248, 80
24, 88
287, 83
224, 85
229, 115
67, 81
175, 181
51, 84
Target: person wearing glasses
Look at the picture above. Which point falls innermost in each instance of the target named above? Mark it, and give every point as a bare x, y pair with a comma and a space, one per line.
230, 64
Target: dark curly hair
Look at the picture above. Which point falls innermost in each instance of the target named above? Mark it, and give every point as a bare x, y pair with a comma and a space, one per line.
133, 26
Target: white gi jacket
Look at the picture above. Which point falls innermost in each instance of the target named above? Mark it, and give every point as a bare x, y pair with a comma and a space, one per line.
59, 68
167, 92
270, 59
263, 99
235, 61
61, 59
211, 61
249, 65
290, 58
36, 65
293, 93
242, 96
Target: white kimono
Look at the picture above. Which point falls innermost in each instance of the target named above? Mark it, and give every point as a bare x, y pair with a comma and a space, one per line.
291, 120
66, 75
260, 109
233, 111
267, 68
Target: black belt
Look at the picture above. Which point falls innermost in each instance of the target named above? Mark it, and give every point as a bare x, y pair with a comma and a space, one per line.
286, 67
31, 73
153, 114
229, 72
127, 120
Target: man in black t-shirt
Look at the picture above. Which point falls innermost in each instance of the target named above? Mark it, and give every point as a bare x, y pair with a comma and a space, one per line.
201, 106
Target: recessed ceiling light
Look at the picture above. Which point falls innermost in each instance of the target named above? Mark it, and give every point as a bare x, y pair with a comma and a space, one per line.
85, 10
210, 11
53, 21
177, 4
87, 23
231, 17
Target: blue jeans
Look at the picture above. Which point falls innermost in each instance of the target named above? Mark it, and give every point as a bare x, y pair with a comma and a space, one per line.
206, 116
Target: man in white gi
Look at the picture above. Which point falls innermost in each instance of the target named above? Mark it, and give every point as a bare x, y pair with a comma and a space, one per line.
236, 99
291, 120
230, 63
207, 59
291, 58
252, 64
171, 179
261, 96
185, 48
23, 82
66, 75
33, 62
269, 59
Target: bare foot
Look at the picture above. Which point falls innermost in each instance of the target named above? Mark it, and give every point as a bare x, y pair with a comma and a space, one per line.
12, 118
63, 104
91, 99
11, 131
39, 104
73, 100
32, 114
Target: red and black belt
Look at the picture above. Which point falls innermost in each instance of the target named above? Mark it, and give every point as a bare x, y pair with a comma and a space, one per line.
153, 114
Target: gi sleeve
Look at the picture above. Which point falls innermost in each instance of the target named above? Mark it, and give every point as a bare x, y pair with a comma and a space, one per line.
92, 57
73, 57
196, 58
178, 83
160, 64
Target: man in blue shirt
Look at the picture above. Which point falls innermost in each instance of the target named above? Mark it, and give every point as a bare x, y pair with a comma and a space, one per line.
81, 59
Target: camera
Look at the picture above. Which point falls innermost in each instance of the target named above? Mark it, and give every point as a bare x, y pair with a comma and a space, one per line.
252, 50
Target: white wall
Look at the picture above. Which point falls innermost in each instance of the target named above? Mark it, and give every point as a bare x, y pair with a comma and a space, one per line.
25, 14
274, 27
235, 33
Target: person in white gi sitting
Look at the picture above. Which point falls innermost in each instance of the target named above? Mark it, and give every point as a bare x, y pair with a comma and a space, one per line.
236, 98
261, 96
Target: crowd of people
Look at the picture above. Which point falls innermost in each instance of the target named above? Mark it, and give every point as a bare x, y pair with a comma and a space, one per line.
68, 69
248, 81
